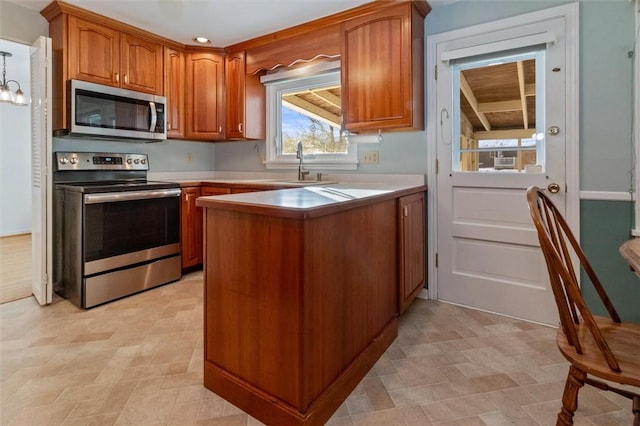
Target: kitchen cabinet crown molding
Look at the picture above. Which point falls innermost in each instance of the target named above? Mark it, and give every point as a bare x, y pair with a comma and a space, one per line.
56, 7
422, 6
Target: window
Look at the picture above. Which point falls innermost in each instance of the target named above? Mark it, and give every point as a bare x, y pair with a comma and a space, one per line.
499, 111
303, 105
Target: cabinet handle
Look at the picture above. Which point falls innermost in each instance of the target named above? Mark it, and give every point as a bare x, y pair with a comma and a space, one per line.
240, 127
126, 79
405, 211
117, 77
219, 129
168, 125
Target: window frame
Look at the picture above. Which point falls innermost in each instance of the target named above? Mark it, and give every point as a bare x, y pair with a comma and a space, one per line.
285, 81
535, 52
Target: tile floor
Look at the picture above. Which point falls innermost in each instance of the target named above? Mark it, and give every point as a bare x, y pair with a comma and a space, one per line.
139, 361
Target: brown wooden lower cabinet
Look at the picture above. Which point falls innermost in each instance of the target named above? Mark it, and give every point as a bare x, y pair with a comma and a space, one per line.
411, 233
299, 304
214, 190
191, 223
191, 228
242, 190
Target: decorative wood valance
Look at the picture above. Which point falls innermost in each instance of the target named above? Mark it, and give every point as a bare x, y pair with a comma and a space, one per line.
318, 43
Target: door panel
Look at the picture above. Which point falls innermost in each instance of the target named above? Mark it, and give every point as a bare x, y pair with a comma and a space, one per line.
488, 251
41, 153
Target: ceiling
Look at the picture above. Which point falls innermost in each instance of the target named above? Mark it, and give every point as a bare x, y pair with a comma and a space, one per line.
224, 22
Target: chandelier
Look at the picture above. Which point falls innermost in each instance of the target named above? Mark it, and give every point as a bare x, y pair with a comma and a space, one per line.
6, 95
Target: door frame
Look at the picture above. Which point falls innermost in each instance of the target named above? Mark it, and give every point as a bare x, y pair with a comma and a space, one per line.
570, 13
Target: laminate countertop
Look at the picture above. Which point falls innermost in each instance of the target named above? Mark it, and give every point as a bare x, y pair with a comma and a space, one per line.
309, 201
262, 184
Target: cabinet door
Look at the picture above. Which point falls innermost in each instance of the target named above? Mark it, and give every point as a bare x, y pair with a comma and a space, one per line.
205, 107
214, 190
245, 100
191, 228
174, 63
378, 87
412, 248
140, 64
94, 52
234, 87
243, 190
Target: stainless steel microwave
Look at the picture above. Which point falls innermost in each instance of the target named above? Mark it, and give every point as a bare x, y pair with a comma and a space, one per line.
105, 112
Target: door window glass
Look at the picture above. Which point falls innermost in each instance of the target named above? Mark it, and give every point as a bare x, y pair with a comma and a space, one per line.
498, 114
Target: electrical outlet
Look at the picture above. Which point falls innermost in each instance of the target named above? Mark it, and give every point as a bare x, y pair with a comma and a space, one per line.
371, 157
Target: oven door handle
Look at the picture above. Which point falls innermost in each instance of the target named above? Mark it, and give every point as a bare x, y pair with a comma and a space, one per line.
112, 197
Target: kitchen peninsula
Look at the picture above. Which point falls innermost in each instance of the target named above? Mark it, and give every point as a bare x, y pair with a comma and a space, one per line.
303, 290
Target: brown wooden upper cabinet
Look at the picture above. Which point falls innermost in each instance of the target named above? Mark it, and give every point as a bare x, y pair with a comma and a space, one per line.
382, 69
103, 55
205, 96
245, 100
234, 80
174, 87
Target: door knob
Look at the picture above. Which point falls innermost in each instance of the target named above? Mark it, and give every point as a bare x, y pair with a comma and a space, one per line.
553, 188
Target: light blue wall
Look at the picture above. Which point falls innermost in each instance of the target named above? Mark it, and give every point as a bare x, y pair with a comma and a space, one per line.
466, 13
165, 156
600, 244
606, 95
606, 35
400, 152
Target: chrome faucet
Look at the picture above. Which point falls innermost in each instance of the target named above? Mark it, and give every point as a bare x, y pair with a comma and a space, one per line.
299, 155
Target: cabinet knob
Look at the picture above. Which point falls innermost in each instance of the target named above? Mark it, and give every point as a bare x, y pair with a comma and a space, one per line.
405, 211
240, 127
126, 79
117, 77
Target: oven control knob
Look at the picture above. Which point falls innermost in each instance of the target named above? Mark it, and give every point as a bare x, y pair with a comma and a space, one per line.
143, 161
64, 160
74, 160
136, 161
128, 160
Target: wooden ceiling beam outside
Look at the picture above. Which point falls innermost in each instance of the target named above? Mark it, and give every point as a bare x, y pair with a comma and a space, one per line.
523, 97
309, 109
500, 106
328, 97
504, 134
468, 94
530, 89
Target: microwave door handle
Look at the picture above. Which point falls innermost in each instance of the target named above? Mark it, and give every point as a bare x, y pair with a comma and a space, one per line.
154, 117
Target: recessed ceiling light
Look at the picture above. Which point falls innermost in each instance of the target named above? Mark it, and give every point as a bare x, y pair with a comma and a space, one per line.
202, 40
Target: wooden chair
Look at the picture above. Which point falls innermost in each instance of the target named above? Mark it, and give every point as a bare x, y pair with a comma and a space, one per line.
603, 347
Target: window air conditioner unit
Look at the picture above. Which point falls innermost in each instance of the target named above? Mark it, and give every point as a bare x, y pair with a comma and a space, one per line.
504, 162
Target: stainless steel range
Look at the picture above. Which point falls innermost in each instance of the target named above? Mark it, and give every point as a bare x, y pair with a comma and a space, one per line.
115, 233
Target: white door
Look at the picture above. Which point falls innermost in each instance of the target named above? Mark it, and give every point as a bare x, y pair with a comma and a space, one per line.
487, 249
41, 152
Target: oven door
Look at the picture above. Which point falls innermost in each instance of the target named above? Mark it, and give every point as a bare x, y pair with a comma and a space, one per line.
121, 229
